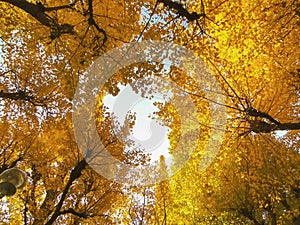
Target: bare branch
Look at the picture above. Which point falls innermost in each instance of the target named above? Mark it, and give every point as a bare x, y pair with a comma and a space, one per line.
75, 173
182, 11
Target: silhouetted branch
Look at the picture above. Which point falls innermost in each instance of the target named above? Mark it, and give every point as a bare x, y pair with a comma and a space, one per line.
92, 21
256, 113
79, 214
38, 11
259, 126
23, 96
75, 173
181, 10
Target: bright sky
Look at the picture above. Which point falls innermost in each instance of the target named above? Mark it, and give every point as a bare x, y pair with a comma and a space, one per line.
147, 133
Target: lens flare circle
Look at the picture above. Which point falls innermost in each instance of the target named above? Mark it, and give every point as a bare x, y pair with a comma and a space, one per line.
84, 105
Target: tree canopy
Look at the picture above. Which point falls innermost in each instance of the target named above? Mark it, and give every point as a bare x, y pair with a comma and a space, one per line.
242, 168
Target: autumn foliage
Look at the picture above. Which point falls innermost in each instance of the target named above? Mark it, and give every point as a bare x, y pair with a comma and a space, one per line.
251, 48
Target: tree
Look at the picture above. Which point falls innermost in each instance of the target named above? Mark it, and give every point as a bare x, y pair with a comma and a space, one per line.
250, 47
256, 79
45, 47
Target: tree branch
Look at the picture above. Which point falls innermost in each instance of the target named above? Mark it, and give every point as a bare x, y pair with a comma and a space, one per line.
75, 173
55, 8
73, 212
259, 126
181, 10
92, 21
34, 10
38, 12
256, 113
21, 95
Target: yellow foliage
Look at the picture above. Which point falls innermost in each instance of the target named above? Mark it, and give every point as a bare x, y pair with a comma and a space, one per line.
252, 49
